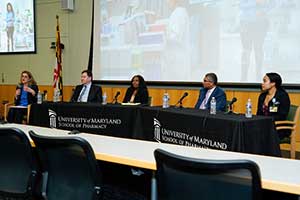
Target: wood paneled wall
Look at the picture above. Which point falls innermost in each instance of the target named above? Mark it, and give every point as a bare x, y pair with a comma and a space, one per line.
7, 93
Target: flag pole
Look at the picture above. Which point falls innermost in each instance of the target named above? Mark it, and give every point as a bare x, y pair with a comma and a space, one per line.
58, 83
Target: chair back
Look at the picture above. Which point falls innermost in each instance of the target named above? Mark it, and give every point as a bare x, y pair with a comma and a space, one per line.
18, 167
180, 178
292, 113
149, 103
69, 168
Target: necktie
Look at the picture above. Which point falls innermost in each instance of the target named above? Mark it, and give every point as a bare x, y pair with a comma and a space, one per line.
82, 93
202, 106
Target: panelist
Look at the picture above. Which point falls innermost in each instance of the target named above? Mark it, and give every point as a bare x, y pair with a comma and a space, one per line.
87, 91
274, 100
209, 90
137, 92
26, 93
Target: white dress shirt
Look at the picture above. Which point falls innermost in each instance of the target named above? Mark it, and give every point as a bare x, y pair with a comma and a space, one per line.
84, 97
204, 102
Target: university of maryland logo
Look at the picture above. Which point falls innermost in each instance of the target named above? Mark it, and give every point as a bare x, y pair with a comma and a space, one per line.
157, 128
52, 118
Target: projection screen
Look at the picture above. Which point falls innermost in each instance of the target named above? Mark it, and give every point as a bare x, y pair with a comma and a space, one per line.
17, 26
181, 40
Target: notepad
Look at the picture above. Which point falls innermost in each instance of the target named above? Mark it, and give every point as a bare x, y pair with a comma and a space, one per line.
130, 104
17, 106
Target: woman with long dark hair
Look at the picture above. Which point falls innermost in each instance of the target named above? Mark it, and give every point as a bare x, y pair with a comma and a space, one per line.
274, 100
10, 26
137, 92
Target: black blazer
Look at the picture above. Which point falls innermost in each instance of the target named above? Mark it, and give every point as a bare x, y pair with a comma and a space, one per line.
283, 101
31, 99
140, 97
95, 94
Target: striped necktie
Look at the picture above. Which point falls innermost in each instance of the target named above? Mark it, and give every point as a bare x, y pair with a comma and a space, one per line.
82, 93
204, 102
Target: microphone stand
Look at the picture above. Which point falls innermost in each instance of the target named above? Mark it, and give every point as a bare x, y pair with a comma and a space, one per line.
180, 100
115, 101
229, 111
180, 104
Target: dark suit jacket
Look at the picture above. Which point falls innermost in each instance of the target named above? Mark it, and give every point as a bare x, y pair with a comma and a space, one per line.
31, 99
282, 98
95, 94
140, 97
219, 95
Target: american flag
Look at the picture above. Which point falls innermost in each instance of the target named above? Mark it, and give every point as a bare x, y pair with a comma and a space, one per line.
57, 76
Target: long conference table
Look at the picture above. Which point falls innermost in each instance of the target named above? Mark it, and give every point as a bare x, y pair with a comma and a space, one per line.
277, 174
187, 127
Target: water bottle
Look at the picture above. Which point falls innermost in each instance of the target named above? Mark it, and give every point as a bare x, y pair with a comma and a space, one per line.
248, 113
104, 99
213, 106
56, 95
39, 98
166, 100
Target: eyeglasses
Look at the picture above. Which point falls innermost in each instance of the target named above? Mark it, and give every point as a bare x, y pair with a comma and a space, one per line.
205, 80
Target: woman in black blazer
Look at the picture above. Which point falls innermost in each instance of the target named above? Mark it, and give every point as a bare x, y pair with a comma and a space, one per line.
137, 92
26, 93
274, 100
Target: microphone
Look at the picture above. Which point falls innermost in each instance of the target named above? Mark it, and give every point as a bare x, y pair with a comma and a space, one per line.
19, 87
180, 100
116, 97
234, 99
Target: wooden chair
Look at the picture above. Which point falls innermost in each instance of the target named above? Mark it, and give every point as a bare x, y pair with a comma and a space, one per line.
292, 124
149, 100
7, 106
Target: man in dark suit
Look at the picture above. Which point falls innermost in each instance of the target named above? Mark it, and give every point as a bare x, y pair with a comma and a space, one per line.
87, 92
209, 90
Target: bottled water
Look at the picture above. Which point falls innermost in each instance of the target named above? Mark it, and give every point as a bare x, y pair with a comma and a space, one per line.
104, 99
39, 98
248, 113
56, 95
213, 106
166, 100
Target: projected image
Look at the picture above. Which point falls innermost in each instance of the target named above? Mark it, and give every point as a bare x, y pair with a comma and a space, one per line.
181, 40
17, 26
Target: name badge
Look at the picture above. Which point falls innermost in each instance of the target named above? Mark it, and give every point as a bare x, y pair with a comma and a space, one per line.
273, 109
